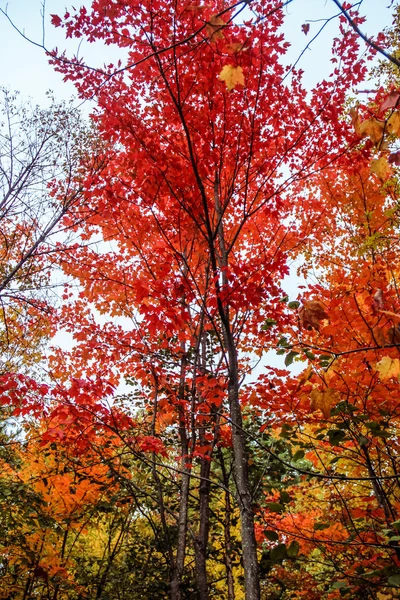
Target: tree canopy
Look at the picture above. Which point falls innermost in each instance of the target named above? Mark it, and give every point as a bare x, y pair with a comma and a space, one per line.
207, 171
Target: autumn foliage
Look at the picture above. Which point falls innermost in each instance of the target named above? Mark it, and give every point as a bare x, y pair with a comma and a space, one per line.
213, 474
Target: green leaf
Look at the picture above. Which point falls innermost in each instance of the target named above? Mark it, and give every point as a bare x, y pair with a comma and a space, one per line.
268, 323
275, 506
309, 355
298, 455
373, 425
336, 436
382, 433
278, 552
321, 526
345, 407
394, 579
293, 549
294, 304
286, 431
271, 535
396, 525
284, 497
290, 357
339, 584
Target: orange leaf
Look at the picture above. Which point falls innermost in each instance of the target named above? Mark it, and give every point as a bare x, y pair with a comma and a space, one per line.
323, 401
373, 129
214, 28
380, 167
304, 377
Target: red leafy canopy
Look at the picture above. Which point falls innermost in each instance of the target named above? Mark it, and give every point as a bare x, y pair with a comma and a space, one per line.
23, 394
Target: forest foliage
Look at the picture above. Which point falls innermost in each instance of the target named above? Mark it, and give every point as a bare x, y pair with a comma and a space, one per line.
171, 224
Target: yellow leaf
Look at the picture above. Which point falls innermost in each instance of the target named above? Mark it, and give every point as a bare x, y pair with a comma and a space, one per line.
393, 124
323, 401
232, 76
382, 596
380, 167
373, 129
388, 367
214, 28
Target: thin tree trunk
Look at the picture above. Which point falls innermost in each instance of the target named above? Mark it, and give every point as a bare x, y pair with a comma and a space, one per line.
201, 540
227, 530
113, 553
382, 499
64, 544
176, 591
159, 489
249, 545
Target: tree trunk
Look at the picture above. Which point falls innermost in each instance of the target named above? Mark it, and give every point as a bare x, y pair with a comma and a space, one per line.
176, 591
227, 530
159, 489
249, 545
201, 540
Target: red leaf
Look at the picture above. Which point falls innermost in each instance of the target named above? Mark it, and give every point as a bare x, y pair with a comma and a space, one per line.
305, 28
56, 20
149, 443
394, 158
391, 101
